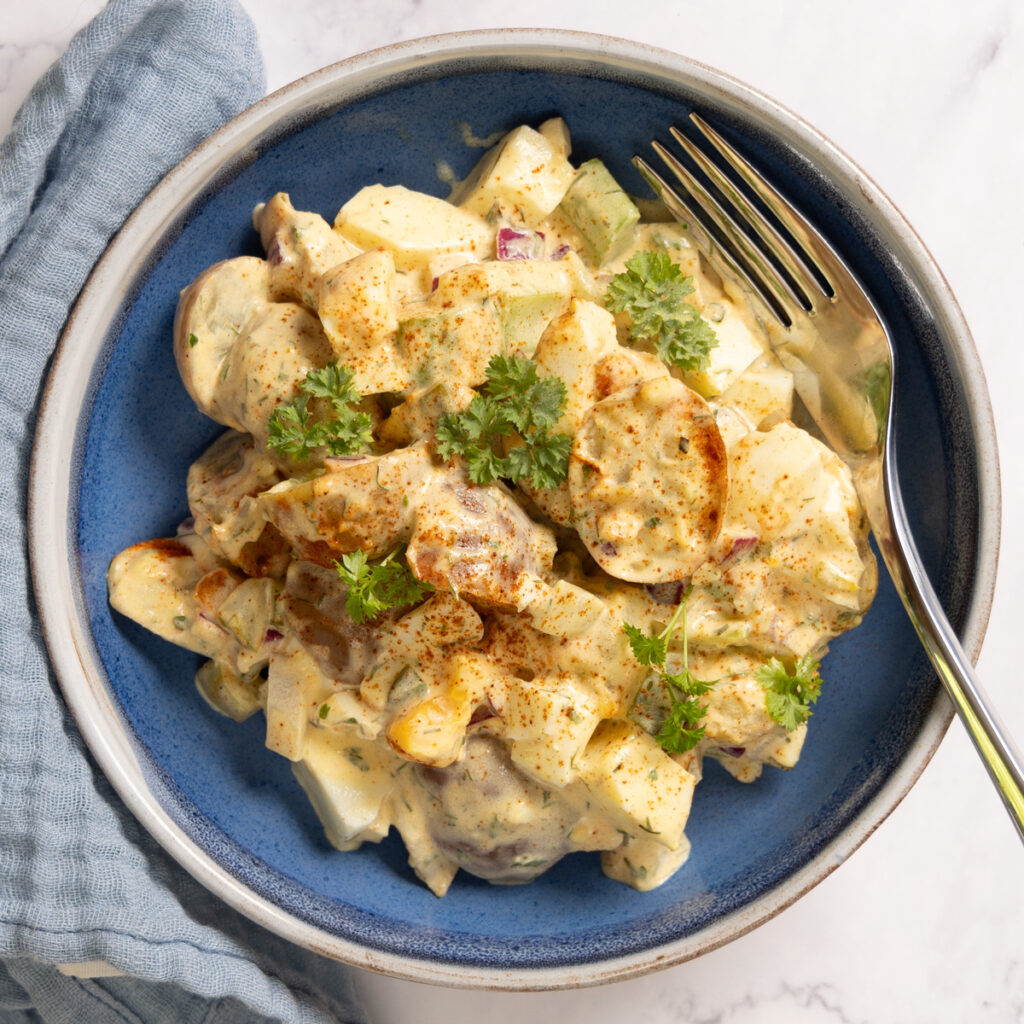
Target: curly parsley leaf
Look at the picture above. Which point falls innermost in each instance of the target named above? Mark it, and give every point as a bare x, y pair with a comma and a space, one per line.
652, 291
376, 587
543, 461
334, 383
516, 400
293, 430
510, 376
289, 430
648, 650
678, 710
789, 695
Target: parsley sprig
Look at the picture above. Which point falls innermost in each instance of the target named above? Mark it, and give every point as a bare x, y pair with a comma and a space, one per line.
375, 587
293, 430
653, 291
789, 695
516, 400
680, 729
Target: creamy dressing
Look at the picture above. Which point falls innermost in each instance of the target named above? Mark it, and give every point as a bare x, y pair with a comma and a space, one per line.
500, 720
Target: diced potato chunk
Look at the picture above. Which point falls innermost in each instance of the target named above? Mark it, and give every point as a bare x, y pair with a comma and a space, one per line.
643, 863
413, 642
417, 417
526, 296
548, 721
366, 504
808, 485
572, 344
295, 687
222, 487
228, 693
565, 610
448, 344
356, 302
634, 780
247, 611
415, 227
581, 348
763, 392
737, 348
556, 131
524, 171
347, 780
300, 246
433, 730
279, 345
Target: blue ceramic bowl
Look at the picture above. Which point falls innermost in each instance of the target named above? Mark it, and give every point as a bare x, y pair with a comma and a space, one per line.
118, 433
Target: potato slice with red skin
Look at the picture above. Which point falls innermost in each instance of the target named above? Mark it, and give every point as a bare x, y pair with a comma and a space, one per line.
239, 354
211, 313
478, 543
222, 487
313, 604
648, 481
365, 504
162, 587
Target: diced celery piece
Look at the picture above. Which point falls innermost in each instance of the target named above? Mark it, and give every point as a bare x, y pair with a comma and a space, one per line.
601, 211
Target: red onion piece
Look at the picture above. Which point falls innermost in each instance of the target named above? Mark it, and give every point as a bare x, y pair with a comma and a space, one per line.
483, 713
212, 621
513, 244
608, 548
665, 593
561, 252
733, 751
740, 546
272, 636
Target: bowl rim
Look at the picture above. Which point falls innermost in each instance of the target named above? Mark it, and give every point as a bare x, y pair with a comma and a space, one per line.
65, 630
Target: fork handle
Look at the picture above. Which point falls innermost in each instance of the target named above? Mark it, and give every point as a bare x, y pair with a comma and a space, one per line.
949, 659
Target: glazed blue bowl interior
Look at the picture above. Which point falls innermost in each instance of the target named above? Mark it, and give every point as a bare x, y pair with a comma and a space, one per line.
240, 803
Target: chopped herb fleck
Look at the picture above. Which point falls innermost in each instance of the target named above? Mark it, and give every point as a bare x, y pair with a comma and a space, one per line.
355, 756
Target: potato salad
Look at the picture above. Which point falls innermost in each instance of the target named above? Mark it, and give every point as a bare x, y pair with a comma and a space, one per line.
510, 528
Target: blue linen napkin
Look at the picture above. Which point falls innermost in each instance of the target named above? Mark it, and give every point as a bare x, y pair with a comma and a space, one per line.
136, 90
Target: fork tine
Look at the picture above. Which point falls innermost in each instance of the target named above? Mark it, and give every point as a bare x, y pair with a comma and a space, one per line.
803, 277
679, 206
783, 295
816, 249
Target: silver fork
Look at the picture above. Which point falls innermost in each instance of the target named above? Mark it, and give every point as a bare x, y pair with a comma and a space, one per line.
824, 328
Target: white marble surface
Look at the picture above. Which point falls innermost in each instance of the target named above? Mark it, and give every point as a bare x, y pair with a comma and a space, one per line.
925, 923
